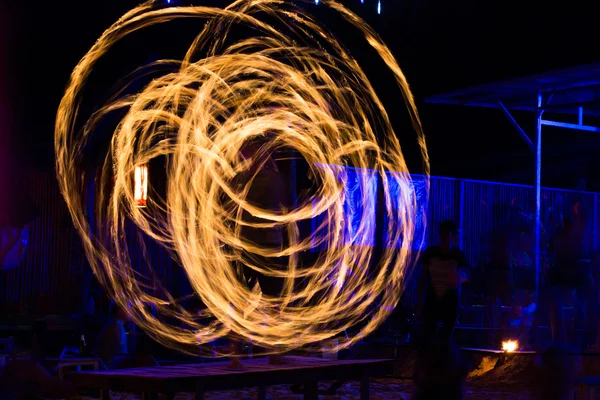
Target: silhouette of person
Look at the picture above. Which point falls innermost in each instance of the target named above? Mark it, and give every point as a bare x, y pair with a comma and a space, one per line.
564, 278
112, 340
267, 189
557, 374
440, 282
440, 373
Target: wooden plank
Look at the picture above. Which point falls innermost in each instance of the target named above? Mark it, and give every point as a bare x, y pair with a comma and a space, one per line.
254, 365
282, 374
299, 376
216, 376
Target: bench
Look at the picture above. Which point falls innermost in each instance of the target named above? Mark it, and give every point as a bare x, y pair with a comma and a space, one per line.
257, 372
588, 388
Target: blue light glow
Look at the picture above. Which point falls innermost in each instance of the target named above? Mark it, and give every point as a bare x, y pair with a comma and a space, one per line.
379, 7
360, 219
420, 192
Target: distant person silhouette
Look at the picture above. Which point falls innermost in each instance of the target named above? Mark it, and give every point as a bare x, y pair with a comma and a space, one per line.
112, 340
140, 358
440, 282
24, 377
564, 278
557, 374
440, 373
266, 190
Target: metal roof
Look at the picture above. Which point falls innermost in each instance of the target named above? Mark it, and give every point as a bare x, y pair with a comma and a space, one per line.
569, 89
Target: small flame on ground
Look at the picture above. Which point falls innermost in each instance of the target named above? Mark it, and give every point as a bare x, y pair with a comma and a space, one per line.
510, 346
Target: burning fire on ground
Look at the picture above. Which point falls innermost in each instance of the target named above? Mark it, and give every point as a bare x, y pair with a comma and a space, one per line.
510, 346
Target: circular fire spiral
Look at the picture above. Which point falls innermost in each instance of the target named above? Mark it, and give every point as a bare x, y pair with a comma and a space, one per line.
292, 85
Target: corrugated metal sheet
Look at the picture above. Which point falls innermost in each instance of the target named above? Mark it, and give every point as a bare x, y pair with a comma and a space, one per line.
490, 209
444, 204
54, 257
578, 206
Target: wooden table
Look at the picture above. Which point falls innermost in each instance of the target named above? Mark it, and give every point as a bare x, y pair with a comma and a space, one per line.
588, 388
62, 363
199, 378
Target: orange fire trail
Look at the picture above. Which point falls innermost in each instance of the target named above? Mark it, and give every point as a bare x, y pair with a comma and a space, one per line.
300, 89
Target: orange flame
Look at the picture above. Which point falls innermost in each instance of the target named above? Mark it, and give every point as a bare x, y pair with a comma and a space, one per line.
140, 195
510, 346
225, 92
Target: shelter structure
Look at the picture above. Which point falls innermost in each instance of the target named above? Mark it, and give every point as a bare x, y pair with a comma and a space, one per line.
565, 93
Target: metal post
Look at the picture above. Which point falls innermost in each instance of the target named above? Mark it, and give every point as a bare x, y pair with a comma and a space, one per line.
461, 235
461, 216
566, 125
516, 125
538, 192
595, 227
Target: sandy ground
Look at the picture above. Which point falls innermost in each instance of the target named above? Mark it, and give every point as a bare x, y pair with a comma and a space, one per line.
381, 389
491, 377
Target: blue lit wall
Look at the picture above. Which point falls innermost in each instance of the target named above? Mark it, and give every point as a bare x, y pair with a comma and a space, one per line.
420, 189
355, 211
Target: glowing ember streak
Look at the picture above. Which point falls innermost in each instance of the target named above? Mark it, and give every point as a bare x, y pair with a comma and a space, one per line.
140, 194
510, 346
295, 86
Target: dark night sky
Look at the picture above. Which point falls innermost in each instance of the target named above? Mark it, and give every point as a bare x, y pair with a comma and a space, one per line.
442, 45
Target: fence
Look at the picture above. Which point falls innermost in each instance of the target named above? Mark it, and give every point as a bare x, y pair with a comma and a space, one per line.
487, 210
54, 264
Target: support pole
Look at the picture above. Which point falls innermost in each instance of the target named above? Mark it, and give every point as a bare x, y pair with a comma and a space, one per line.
595, 227
516, 125
538, 193
461, 232
566, 125
461, 216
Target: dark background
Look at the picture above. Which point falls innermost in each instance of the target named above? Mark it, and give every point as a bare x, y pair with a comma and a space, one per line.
441, 45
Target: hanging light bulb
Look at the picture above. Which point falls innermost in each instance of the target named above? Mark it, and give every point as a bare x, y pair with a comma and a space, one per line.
317, 2
140, 193
379, 7
362, 1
